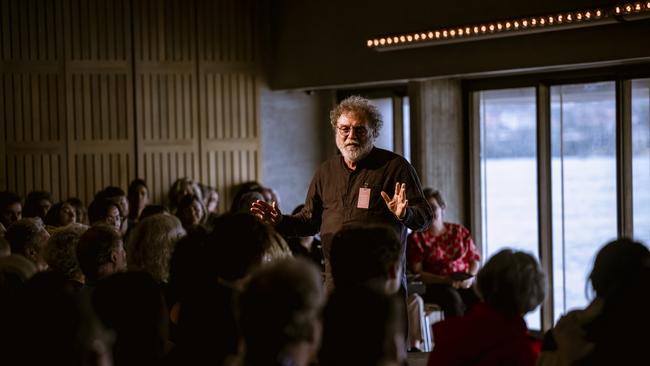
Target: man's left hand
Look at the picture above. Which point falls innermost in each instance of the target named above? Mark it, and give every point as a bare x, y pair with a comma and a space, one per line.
398, 204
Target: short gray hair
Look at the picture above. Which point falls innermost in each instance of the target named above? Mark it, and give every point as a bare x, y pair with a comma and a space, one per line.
512, 281
25, 233
360, 107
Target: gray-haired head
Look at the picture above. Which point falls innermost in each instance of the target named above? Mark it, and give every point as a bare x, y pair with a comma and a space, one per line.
512, 281
360, 107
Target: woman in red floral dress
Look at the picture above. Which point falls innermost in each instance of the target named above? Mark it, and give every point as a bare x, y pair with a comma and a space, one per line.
444, 256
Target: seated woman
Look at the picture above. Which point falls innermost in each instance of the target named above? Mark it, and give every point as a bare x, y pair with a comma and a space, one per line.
440, 254
494, 332
603, 333
61, 214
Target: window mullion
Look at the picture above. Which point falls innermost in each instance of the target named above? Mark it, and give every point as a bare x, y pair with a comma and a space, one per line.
624, 158
544, 197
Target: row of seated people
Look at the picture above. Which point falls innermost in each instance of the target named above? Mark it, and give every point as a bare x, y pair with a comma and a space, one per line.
199, 279
193, 203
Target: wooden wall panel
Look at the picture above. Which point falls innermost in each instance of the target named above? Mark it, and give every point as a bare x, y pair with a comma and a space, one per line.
166, 93
99, 95
99, 92
228, 51
32, 116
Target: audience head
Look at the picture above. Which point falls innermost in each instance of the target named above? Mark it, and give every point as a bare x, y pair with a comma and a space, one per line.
100, 252
512, 281
438, 205
181, 188
28, 238
46, 323
246, 200
138, 197
280, 309
151, 210
191, 211
117, 195
60, 253
11, 208
37, 204
152, 243
61, 214
362, 255
618, 267
105, 211
238, 244
80, 210
131, 304
363, 326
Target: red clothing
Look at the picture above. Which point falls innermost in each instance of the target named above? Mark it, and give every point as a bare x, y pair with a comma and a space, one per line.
451, 251
483, 337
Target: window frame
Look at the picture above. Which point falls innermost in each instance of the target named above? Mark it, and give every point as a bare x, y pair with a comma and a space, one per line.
542, 82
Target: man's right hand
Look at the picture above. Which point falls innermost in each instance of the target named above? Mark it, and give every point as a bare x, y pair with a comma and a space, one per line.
268, 214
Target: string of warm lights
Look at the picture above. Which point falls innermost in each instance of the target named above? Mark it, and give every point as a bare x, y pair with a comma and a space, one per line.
511, 27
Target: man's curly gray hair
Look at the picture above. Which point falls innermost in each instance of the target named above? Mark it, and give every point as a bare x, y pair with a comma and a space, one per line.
360, 107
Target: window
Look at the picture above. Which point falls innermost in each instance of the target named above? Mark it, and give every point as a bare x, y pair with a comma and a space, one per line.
509, 174
578, 127
641, 158
583, 170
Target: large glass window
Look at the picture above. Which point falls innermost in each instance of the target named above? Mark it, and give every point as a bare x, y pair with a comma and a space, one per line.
509, 174
641, 158
583, 170
385, 139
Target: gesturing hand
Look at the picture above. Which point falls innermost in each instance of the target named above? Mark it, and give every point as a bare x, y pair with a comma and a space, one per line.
268, 214
398, 204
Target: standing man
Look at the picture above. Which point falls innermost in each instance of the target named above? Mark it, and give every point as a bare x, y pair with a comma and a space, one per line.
364, 185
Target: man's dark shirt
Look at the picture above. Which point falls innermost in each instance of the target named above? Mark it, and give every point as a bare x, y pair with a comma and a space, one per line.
333, 196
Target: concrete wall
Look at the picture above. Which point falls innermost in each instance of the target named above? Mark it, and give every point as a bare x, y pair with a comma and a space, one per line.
296, 138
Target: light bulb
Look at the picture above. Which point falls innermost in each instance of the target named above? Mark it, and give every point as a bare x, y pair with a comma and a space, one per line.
382, 41
369, 43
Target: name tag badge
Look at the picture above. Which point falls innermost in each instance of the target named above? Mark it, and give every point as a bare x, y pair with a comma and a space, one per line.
364, 198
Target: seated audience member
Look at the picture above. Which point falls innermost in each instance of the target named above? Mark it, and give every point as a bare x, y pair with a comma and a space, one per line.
367, 273
51, 326
151, 245
437, 254
494, 332
366, 256
151, 210
191, 212
37, 204
242, 189
100, 253
61, 256
179, 189
279, 314
28, 238
61, 214
207, 331
11, 210
105, 212
81, 213
132, 305
363, 327
118, 196
604, 333
306, 246
138, 196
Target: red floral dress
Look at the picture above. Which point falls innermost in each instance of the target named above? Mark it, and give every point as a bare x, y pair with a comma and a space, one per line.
451, 251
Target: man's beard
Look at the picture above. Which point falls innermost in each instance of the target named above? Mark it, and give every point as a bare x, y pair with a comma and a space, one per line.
354, 151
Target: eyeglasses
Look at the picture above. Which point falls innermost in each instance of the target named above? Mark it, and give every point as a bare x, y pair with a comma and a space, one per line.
344, 131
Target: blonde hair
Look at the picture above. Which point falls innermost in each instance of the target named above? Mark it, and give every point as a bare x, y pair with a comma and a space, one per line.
151, 244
